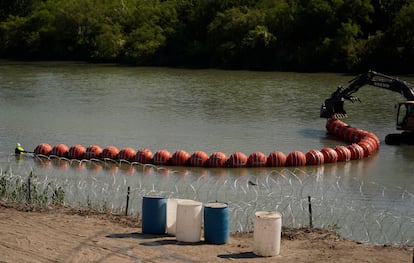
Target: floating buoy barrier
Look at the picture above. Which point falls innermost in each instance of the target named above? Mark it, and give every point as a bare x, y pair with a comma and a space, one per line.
60, 150
110, 152
43, 149
315, 157
76, 151
162, 157
143, 156
361, 144
344, 154
276, 159
93, 152
329, 155
357, 152
237, 160
180, 158
257, 159
127, 154
198, 159
296, 158
217, 160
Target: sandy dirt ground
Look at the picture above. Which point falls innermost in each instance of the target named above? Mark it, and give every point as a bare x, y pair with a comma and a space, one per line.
33, 234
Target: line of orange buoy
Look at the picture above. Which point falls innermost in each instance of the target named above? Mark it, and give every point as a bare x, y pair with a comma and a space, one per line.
361, 144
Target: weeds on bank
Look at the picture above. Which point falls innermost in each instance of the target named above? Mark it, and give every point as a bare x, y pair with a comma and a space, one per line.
19, 189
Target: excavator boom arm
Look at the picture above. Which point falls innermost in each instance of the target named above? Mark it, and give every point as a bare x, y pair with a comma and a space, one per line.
333, 107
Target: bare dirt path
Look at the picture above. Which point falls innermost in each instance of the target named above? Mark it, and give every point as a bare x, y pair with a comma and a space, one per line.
30, 234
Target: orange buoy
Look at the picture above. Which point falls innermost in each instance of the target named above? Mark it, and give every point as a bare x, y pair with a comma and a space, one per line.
143, 156
180, 158
314, 157
296, 158
374, 137
198, 159
110, 152
127, 154
330, 124
334, 124
257, 159
162, 157
77, 151
329, 155
276, 159
43, 149
368, 147
372, 141
352, 135
217, 160
60, 150
237, 159
344, 154
357, 152
344, 132
93, 152
356, 137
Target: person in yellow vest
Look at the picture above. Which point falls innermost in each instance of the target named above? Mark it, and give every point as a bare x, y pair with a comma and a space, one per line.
19, 149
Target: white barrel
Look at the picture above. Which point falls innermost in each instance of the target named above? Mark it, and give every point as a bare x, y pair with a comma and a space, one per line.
188, 225
171, 223
267, 233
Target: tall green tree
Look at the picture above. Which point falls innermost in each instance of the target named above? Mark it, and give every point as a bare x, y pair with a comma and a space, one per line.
402, 34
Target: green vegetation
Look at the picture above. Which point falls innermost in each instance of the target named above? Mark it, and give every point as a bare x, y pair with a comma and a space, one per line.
17, 189
294, 35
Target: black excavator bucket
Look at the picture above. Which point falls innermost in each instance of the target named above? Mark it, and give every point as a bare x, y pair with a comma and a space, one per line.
333, 108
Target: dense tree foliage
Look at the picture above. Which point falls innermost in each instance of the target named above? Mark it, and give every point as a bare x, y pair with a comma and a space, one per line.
298, 35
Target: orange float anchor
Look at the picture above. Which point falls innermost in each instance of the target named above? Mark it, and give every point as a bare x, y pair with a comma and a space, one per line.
357, 152
126, 154
257, 159
43, 149
76, 151
237, 160
296, 158
162, 157
180, 158
368, 146
93, 152
198, 159
110, 152
314, 157
344, 154
329, 155
60, 150
143, 156
276, 159
217, 160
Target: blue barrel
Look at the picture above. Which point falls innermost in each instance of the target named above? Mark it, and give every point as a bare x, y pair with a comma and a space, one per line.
216, 223
154, 215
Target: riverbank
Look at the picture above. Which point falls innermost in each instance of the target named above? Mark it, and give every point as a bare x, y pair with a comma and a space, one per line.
62, 234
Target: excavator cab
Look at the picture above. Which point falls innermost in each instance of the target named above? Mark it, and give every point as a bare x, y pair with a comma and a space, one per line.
405, 116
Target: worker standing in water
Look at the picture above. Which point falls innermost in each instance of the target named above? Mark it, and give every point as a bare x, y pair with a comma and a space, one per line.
19, 149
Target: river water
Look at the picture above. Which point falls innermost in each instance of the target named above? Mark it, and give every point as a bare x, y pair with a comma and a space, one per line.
208, 110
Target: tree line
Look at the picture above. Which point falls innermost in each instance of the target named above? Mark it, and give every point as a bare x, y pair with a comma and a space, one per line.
285, 35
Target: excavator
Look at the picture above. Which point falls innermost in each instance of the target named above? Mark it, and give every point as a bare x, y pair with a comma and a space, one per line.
333, 107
